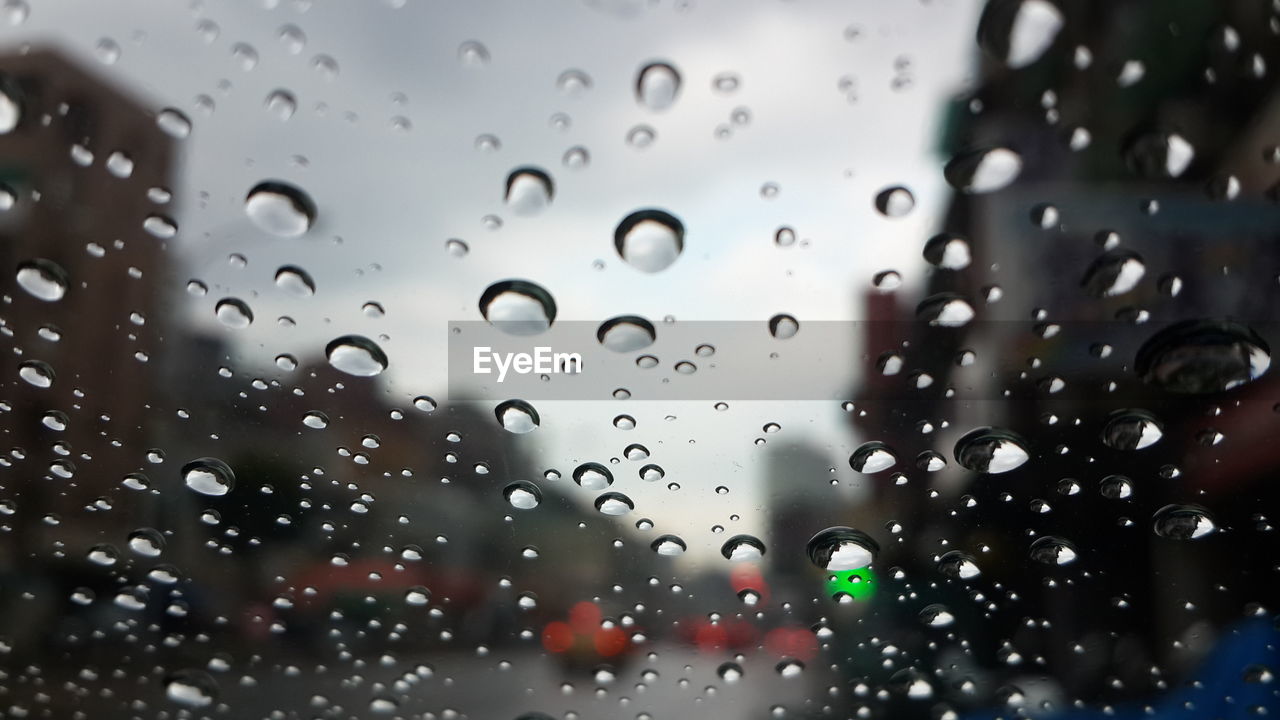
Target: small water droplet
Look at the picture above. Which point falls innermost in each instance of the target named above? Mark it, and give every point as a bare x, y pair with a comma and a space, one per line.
522, 495
1052, 550
668, 545
984, 170
234, 313
626, 333
614, 503
895, 202
529, 191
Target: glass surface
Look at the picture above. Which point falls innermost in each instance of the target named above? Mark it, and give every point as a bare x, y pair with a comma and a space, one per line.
639, 359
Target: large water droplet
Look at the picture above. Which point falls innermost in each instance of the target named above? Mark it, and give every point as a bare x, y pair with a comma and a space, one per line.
518, 307
783, 326
208, 476
192, 688
945, 310
517, 416
956, 564
872, 457
522, 495
280, 208
657, 86
1113, 273
743, 547
356, 355
234, 313
984, 170
991, 450
37, 373
1131, 430
1159, 154
842, 548
44, 279
626, 333
295, 281
947, 251
174, 123
593, 476
895, 202
614, 503
1202, 356
937, 615
1018, 32
529, 190
281, 104
146, 542
649, 240
1052, 550
668, 545
1182, 522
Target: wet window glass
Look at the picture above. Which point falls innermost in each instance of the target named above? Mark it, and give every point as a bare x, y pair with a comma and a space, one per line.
639, 359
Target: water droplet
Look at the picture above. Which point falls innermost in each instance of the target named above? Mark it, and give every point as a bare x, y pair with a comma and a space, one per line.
948, 251
668, 545
946, 310
641, 136
43, 279
783, 326
529, 190
356, 355
1159, 154
789, 668
743, 547
991, 450
146, 542
614, 503
292, 38
192, 688
295, 281
657, 86
730, 672
840, 548
174, 123
1114, 487
473, 54
984, 170
518, 307
872, 457
1052, 550
15, 12
281, 104
576, 158
626, 333
930, 461
573, 83
1182, 522
1018, 32
517, 416
956, 564
649, 240
316, 420
234, 313
522, 495
208, 476
1114, 273
280, 208
937, 616
1202, 356
895, 202
1131, 430
36, 372
160, 226
593, 476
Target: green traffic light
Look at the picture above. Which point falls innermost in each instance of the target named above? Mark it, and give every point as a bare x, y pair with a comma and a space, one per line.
858, 584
